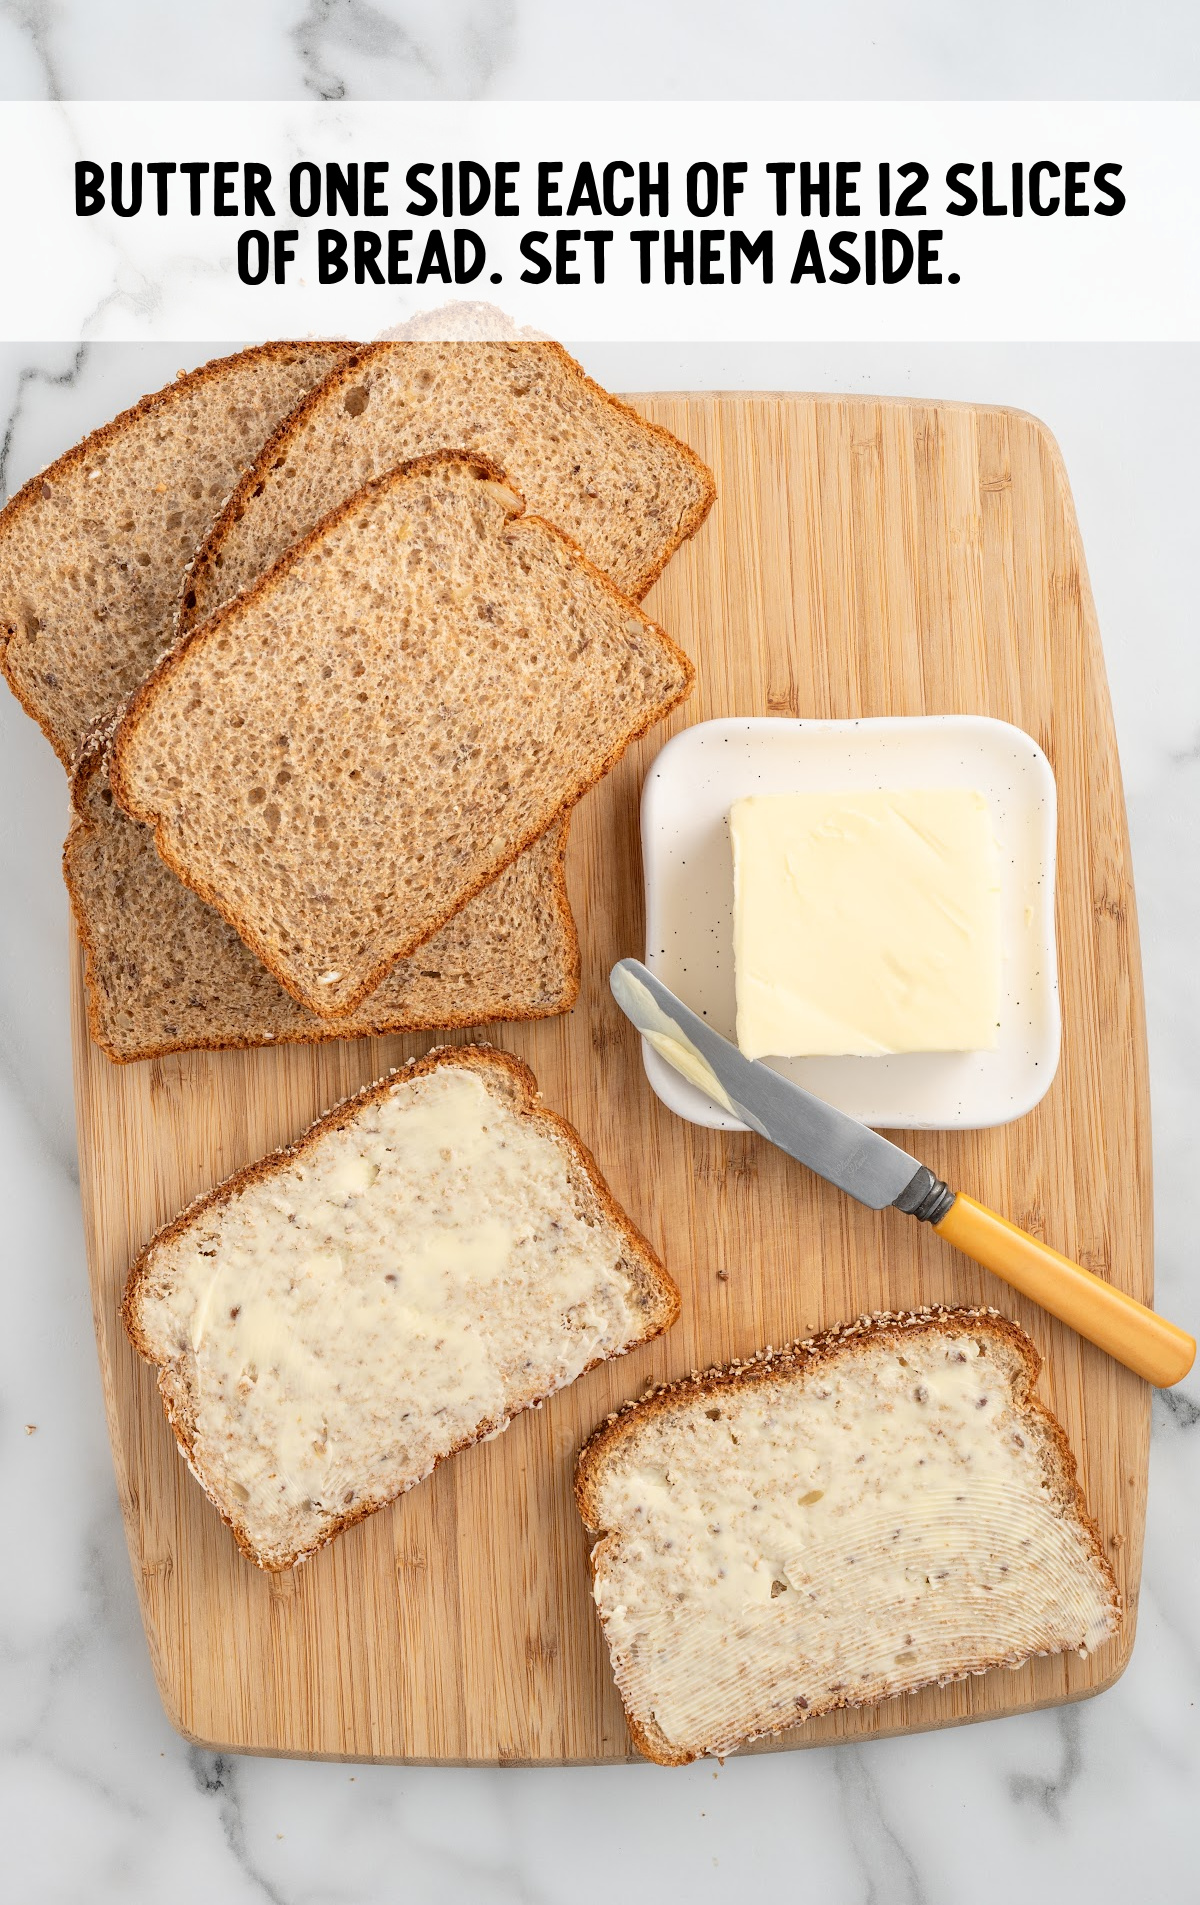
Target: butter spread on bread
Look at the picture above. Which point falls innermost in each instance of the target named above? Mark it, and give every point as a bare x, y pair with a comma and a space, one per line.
436, 1254
883, 1507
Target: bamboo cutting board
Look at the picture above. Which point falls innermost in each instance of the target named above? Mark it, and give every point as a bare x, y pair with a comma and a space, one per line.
864, 558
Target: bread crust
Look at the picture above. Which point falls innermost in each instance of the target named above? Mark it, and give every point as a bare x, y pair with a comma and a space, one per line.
63, 466
89, 762
1059, 1468
202, 632
498, 1070
203, 560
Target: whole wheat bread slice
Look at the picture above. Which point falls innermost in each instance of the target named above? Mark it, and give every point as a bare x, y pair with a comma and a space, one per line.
350, 750
165, 973
435, 1254
626, 491
93, 550
884, 1507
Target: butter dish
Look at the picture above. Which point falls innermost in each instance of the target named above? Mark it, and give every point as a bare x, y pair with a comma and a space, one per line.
687, 860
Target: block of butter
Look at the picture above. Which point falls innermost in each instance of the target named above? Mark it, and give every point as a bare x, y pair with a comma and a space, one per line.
866, 923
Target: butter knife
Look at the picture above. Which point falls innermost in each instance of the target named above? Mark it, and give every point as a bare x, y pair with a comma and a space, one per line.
878, 1173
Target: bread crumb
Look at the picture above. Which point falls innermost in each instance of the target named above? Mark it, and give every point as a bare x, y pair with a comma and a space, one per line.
31, 1428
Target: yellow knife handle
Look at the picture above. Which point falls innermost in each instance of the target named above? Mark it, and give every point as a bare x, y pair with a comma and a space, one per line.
1141, 1339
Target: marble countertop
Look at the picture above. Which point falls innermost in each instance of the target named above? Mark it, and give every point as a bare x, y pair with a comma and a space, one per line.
561, 49
99, 1799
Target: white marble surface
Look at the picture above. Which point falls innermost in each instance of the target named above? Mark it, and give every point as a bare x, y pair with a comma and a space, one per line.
99, 1800
573, 49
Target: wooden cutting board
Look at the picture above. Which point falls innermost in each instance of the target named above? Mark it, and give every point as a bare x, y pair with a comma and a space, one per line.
864, 558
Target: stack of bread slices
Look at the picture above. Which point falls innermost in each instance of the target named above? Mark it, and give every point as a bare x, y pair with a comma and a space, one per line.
331, 639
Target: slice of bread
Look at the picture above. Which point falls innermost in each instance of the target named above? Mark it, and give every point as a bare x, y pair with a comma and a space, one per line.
165, 973
625, 490
435, 1254
886, 1506
93, 551
346, 753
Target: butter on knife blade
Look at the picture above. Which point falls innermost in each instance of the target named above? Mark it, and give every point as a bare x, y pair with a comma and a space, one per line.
666, 1038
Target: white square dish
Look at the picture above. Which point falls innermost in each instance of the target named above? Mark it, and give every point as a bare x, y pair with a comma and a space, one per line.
687, 861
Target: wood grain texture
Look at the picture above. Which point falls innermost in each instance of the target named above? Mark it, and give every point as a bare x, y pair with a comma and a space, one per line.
864, 558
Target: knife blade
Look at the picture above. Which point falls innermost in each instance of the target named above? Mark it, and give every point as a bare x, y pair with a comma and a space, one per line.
837, 1147
879, 1173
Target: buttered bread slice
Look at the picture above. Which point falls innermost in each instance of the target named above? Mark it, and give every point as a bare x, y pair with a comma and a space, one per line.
883, 1507
434, 1255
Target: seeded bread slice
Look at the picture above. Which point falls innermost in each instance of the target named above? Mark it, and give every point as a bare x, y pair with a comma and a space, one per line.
350, 750
434, 1255
884, 1507
626, 491
165, 973
93, 550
